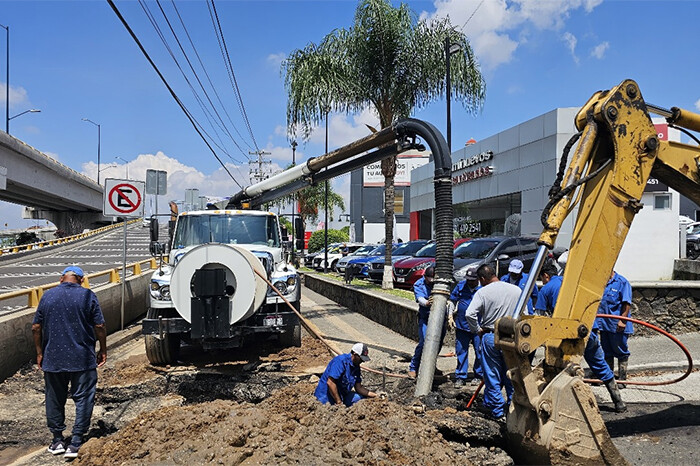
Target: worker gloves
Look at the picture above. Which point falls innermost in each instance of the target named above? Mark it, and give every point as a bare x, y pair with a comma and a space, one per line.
451, 315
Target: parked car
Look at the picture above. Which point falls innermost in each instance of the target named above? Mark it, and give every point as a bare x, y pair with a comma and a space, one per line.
362, 261
496, 251
363, 251
407, 271
309, 258
375, 266
692, 241
335, 254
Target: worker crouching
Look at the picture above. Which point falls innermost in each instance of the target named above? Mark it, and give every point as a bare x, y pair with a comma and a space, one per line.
341, 382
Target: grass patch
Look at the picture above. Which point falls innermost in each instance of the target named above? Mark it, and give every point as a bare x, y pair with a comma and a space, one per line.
406, 294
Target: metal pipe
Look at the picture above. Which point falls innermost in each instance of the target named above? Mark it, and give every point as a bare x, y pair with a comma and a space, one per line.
531, 279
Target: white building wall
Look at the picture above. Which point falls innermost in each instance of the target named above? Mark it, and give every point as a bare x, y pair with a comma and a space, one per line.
374, 232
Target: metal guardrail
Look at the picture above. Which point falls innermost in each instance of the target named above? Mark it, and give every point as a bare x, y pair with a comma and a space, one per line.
67, 239
35, 294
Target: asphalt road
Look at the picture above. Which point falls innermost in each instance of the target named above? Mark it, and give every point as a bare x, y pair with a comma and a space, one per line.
103, 252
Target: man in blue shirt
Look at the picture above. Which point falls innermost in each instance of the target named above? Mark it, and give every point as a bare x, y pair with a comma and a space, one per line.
459, 302
593, 353
616, 300
422, 290
66, 325
515, 276
341, 382
547, 296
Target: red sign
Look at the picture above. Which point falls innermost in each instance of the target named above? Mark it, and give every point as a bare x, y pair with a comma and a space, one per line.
124, 198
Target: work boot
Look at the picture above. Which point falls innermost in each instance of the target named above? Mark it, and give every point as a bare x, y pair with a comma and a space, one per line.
622, 372
614, 390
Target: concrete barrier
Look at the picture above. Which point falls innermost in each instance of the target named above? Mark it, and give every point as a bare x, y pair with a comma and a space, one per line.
398, 314
686, 269
17, 342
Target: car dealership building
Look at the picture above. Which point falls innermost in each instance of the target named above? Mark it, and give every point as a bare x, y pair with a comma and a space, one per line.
501, 185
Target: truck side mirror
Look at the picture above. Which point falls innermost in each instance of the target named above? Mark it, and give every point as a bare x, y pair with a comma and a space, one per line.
153, 229
156, 249
299, 228
285, 233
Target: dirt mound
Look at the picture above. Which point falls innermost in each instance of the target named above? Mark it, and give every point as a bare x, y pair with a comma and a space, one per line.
288, 427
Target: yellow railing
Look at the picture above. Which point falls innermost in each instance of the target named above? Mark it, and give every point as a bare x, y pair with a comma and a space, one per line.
34, 294
67, 239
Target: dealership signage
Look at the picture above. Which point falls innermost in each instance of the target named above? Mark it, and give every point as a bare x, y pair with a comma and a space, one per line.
472, 174
404, 164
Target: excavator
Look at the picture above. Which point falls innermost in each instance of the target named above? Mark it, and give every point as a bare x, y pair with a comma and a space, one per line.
554, 416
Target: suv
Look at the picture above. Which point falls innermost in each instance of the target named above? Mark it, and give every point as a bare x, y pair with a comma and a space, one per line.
363, 251
334, 255
309, 258
407, 271
496, 251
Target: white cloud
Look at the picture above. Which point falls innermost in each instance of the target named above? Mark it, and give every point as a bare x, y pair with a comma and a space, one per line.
570, 40
599, 50
276, 59
499, 26
697, 104
18, 96
180, 176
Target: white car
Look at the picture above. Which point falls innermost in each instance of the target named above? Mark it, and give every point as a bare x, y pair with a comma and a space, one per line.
362, 251
334, 255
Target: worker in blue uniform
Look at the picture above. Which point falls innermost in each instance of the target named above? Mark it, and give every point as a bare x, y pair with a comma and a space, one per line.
458, 303
593, 353
616, 300
515, 276
547, 296
422, 290
341, 382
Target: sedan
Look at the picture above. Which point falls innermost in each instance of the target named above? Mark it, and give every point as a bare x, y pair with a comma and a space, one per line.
375, 266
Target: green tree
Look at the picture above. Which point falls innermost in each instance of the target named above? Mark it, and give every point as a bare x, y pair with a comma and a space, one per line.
311, 202
334, 236
388, 60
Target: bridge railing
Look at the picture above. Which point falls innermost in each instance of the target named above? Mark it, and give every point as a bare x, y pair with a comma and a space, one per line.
34, 294
66, 239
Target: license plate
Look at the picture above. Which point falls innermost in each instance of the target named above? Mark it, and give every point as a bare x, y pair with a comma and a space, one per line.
400, 279
272, 321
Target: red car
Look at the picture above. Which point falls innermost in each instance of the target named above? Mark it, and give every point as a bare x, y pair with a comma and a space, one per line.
407, 271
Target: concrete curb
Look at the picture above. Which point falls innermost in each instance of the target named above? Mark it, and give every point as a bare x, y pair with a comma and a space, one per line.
117, 339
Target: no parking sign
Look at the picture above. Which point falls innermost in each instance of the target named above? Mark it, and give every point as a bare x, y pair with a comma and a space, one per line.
123, 198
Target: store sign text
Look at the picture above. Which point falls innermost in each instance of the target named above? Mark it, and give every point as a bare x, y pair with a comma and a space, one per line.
472, 175
473, 160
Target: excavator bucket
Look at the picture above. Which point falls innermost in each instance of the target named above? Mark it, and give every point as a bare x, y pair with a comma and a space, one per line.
565, 428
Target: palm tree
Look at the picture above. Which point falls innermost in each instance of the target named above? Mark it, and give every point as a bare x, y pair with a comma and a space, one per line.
389, 61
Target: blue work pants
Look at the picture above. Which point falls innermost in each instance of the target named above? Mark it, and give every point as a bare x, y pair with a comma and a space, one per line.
422, 328
462, 340
494, 369
615, 344
83, 385
595, 358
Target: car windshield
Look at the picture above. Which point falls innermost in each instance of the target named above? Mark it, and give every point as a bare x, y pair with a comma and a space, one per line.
364, 250
477, 249
427, 251
193, 230
694, 229
409, 249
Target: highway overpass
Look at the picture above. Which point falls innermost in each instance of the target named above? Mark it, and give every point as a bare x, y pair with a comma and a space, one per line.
55, 192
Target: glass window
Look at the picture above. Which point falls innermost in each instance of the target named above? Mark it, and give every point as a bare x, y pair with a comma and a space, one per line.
193, 230
510, 248
477, 249
528, 245
662, 202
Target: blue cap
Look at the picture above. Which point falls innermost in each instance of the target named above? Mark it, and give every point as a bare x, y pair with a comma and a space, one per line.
74, 269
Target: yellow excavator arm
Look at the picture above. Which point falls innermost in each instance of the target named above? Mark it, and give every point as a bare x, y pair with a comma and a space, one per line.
554, 415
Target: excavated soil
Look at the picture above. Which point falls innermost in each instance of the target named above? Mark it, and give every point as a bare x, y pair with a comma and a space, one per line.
257, 408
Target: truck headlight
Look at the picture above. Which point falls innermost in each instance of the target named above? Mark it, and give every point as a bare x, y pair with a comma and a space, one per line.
160, 291
281, 286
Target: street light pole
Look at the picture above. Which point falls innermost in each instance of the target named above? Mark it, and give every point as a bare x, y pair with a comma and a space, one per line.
294, 200
126, 165
325, 221
34, 110
7, 79
98, 147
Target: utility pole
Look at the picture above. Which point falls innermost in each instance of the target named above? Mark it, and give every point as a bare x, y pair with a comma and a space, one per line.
294, 203
257, 174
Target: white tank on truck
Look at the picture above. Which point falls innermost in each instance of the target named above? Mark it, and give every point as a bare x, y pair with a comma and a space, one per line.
210, 292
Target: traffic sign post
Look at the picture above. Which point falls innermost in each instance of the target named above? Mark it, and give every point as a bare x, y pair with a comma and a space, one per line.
123, 198
156, 183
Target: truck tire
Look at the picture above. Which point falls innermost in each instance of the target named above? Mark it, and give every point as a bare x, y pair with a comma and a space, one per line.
161, 352
292, 337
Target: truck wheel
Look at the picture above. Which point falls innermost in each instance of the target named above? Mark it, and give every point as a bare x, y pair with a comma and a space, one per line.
162, 352
292, 337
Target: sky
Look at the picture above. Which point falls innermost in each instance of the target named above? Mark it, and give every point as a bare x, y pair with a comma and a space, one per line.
74, 60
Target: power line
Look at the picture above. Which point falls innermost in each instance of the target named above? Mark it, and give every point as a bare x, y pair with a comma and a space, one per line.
233, 75
204, 68
207, 113
170, 89
472, 15
258, 174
